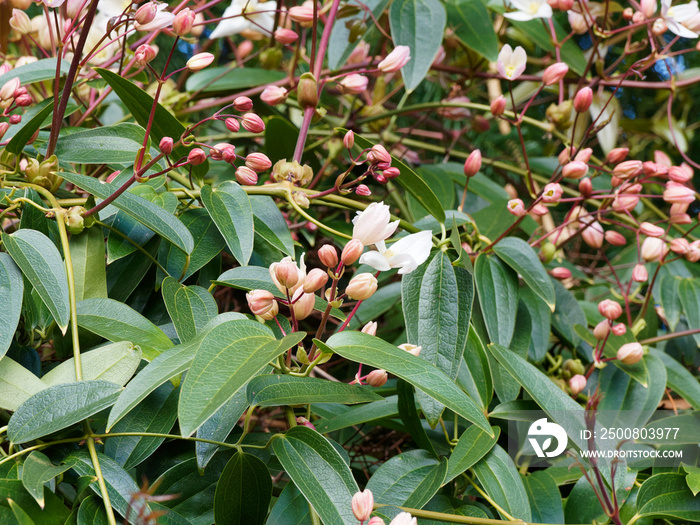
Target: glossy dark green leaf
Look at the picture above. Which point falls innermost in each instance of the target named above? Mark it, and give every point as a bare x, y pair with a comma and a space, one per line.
667, 495
408, 20
38, 71
540, 322
689, 293
117, 322
230, 209
244, 491
88, 253
360, 414
42, 265
567, 314
411, 418
473, 445
37, 470
497, 287
11, 293
544, 496
291, 508
92, 512
156, 218
363, 348
58, 407
116, 144
323, 477
270, 224
155, 414
124, 275
21, 516
17, 384
469, 18
53, 513
474, 374
231, 79
29, 125
437, 300
501, 481
275, 390
230, 356
219, 426
693, 478
140, 103
190, 307
669, 292
680, 379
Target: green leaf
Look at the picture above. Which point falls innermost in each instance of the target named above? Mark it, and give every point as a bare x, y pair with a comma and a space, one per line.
518, 254
410, 417
567, 315
92, 512
219, 426
231, 79
258, 278
540, 323
679, 379
244, 491
156, 218
38, 71
408, 20
11, 293
117, 144
360, 414
437, 302
497, 287
42, 265
231, 354
114, 362
164, 124
364, 348
669, 290
318, 469
291, 508
270, 224
280, 142
37, 469
468, 18
689, 293
21, 516
155, 414
544, 496
118, 322
501, 481
383, 300
124, 275
410, 181
473, 445
693, 478
88, 254
474, 375
667, 495
408, 480
342, 43
229, 207
17, 384
58, 407
54, 512
190, 307
275, 390
29, 125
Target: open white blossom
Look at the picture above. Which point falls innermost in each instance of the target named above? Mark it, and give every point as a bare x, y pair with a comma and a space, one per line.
675, 15
529, 10
259, 16
112, 8
406, 254
373, 224
511, 64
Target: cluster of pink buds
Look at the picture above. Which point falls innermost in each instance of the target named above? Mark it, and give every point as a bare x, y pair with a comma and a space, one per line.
380, 164
12, 96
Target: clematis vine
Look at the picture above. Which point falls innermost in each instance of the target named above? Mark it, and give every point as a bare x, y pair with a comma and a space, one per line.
511, 63
529, 10
246, 15
674, 16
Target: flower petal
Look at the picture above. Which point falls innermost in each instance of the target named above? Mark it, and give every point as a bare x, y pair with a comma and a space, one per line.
376, 260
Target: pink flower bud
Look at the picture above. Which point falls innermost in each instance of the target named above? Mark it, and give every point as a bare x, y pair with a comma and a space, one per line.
315, 280
648, 8
359, 54
253, 123
144, 54
538, 210
651, 229
245, 176
395, 60
232, 124
260, 302
411, 349
363, 190
630, 353
285, 36
617, 155
305, 423
473, 163
24, 100
74, 8
576, 384
678, 174
303, 304
391, 173
352, 251
376, 378
378, 154
7, 91
583, 99
680, 246
196, 156
4, 126
516, 207
575, 169
328, 256
615, 238
183, 22
498, 106
650, 168
653, 249
678, 194
552, 192
242, 104
640, 274
166, 145
361, 286
565, 155
560, 272
624, 202
601, 330
370, 328
584, 155
554, 73
661, 158
619, 329
585, 187
303, 14
693, 254
610, 309
146, 13
20, 22
362, 505
349, 140
354, 84
223, 151
258, 162
273, 95
628, 169
199, 61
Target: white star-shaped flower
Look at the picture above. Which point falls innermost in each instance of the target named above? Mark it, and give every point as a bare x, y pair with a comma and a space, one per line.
529, 10
407, 253
259, 16
674, 16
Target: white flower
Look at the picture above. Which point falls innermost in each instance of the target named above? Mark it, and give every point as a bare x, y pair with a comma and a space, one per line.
529, 9
407, 253
404, 518
675, 15
372, 225
112, 8
511, 64
261, 18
